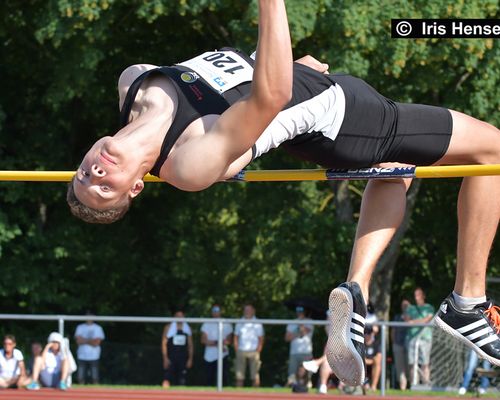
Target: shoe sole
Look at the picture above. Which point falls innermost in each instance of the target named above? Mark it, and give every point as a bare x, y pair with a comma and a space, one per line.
341, 354
453, 332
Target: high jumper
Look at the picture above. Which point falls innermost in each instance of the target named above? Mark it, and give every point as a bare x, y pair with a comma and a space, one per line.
203, 120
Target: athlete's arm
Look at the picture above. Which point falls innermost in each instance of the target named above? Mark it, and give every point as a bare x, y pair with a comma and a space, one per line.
204, 160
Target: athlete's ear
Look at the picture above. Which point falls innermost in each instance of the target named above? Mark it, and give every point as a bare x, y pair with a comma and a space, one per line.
137, 188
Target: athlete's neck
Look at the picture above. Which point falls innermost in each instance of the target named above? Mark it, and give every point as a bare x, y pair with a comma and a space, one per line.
142, 138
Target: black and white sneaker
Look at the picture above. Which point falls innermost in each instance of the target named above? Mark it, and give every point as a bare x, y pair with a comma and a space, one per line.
345, 349
477, 328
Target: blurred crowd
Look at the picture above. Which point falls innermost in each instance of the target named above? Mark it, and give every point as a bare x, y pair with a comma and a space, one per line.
52, 364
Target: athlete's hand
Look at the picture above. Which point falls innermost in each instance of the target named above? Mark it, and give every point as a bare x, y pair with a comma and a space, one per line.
311, 62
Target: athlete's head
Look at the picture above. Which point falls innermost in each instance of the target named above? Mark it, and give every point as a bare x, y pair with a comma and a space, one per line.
105, 183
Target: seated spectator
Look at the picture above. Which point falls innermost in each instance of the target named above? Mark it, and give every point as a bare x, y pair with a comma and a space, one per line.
471, 367
321, 364
300, 381
52, 367
177, 351
210, 339
325, 371
36, 350
373, 359
12, 369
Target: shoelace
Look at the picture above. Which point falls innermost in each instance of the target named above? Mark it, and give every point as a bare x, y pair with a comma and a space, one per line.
493, 314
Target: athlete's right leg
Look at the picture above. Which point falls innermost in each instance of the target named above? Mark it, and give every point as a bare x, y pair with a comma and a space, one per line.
466, 311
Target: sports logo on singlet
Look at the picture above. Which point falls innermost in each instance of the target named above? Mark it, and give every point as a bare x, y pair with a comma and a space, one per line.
189, 77
222, 70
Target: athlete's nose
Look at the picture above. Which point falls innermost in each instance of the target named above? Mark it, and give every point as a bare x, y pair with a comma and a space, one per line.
97, 171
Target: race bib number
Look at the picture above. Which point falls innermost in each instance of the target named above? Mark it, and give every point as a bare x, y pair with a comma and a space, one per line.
222, 70
179, 340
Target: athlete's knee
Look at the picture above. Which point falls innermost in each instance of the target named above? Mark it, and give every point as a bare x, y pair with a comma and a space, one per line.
473, 141
383, 182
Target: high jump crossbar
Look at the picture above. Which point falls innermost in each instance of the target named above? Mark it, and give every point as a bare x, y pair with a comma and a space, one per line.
453, 171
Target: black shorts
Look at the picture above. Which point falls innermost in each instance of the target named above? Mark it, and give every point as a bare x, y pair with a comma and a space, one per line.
376, 129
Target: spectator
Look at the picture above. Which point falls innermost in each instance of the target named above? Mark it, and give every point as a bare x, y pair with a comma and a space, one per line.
373, 359
12, 369
210, 339
248, 343
177, 351
301, 380
52, 367
471, 367
36, 350
399, 351
371, 318
325, 371
89, 337
299, 336
419, 339
321, 364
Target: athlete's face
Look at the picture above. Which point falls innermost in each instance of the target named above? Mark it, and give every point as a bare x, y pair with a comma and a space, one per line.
105, 179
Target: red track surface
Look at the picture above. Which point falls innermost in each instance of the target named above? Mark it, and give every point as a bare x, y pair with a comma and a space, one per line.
117, 394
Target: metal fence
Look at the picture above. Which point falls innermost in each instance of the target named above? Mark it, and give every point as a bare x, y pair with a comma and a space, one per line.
447, 360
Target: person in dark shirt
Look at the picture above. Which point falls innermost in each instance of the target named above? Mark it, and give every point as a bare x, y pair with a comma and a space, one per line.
399, 351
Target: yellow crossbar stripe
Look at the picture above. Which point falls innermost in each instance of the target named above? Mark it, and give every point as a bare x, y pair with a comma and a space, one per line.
271, 175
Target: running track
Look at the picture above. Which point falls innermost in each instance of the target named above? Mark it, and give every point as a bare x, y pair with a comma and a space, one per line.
118, 394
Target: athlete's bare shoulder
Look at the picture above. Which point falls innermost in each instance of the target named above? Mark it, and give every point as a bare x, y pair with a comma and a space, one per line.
128, 76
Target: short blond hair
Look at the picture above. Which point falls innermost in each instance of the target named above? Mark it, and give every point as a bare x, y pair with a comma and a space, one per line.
91, 215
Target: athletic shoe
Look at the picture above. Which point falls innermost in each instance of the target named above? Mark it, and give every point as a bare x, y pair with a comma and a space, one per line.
322, 389
63, 386
481, 391
477, 328
345, 349
310, 366
462, 391
33, 386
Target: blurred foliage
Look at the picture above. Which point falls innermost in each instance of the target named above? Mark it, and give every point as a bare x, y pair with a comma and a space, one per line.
233, 243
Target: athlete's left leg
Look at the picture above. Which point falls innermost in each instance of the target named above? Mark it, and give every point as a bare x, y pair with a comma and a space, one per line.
382, 210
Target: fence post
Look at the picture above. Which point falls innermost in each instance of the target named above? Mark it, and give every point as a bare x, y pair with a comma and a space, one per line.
61, 326
220, 340
383, 338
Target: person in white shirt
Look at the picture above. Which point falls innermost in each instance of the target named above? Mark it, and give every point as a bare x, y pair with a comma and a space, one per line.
248, 343
12, 369
89, 337
210, 339
52, 367
299, 336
